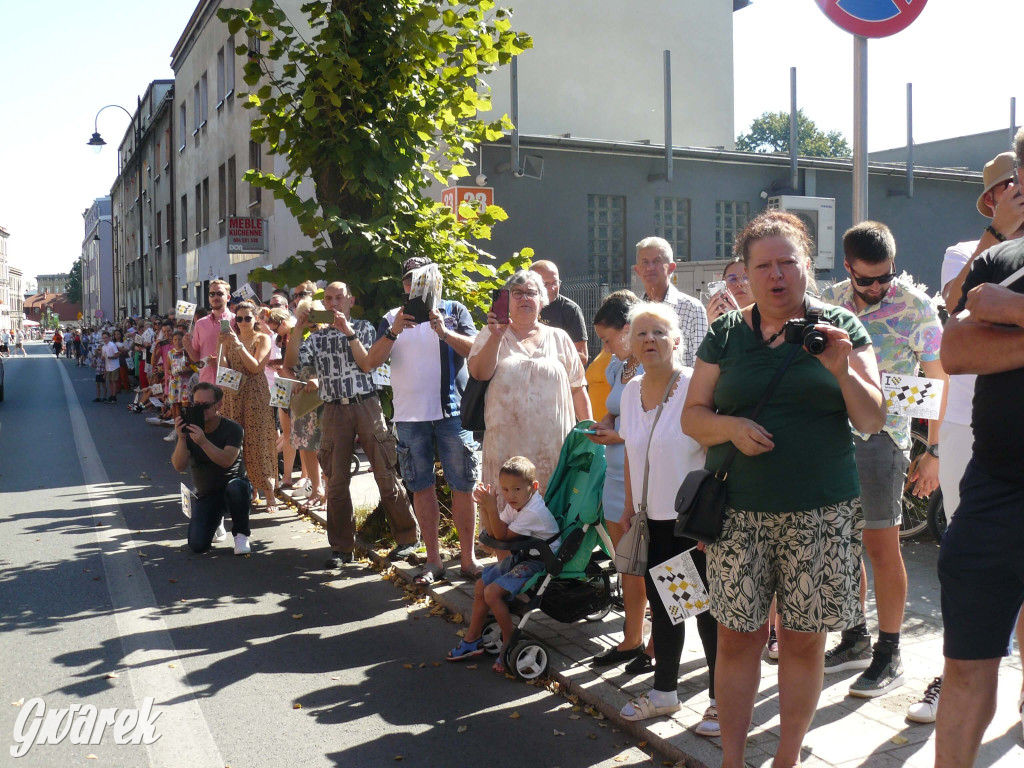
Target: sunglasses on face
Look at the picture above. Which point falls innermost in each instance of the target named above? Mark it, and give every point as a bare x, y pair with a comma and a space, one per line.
216, 293
298, 294
864, 282
243, 319
206, 406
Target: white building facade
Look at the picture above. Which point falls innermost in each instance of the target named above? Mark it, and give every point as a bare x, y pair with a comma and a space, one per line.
97, 262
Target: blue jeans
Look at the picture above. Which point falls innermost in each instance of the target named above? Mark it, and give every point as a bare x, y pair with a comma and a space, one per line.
454, 445
208, 512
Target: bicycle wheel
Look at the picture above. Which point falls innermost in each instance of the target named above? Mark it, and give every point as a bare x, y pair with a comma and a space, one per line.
915, 510
936, 516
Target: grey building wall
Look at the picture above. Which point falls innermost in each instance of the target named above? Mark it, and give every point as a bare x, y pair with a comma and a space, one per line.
969, 152
550, 214
98, 262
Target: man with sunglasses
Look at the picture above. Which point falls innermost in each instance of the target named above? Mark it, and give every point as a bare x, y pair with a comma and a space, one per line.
203, 344
905, 333
214, 454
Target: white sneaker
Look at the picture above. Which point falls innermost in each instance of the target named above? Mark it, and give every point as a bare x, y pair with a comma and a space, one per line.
156, 421
924, 711
241, 544
170, 437
220, 534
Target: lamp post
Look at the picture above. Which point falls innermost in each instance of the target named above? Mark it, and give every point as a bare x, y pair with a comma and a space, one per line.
98, 143
99, 257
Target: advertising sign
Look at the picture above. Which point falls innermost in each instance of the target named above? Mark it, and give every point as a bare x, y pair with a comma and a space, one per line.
872, 18
247, 234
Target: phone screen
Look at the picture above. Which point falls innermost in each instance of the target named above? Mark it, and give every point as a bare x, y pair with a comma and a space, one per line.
501, 304
715, 287
225, 326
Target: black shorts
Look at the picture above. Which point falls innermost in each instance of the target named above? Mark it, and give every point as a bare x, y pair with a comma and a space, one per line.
100, 378
981, 568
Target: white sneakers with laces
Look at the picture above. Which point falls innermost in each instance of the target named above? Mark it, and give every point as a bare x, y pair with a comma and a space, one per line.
220, 534
242, 544
924, 711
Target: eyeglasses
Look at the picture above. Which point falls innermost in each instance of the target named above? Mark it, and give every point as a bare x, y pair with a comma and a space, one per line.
737, 279
207, 406
520, 295
217, 293
297, 294
243, 319
864, 282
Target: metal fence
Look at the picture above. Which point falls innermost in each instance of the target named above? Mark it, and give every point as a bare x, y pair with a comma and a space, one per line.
590, 296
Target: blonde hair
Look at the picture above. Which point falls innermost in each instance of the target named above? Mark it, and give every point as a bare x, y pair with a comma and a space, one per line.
225, 283
280, 315
521, 467
657, 310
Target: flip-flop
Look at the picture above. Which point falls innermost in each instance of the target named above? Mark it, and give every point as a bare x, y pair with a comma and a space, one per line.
466, 650
498, 665
471, 573
431, 574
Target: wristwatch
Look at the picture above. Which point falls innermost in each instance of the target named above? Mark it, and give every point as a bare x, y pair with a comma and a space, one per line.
350, 338
389, 334
933, 450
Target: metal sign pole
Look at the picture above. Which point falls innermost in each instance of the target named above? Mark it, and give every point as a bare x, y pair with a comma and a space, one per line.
860, 129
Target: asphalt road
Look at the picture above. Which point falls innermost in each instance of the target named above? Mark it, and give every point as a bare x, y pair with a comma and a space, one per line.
257, 661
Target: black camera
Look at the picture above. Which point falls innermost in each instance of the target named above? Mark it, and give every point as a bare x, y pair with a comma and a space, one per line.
804, 333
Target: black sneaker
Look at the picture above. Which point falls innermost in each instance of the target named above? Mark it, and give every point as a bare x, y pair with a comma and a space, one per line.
338, 559
884, 675
851, 653
402, 551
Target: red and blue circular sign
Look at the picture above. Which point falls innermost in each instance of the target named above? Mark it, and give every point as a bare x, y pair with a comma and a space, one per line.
872, 18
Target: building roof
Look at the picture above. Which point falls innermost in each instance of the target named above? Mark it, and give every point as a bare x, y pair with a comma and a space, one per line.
56, 302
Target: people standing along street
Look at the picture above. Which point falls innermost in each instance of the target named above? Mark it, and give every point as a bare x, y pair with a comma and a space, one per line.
791, 536
203, 344
112, 357
562, 312
58, 343
905, 333
654, 266
428, 377
981, 561
214, 454
352, 408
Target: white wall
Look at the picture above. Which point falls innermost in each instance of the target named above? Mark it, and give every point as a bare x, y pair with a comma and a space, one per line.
595, 70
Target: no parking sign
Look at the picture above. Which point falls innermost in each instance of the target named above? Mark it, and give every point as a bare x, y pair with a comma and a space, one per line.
872, 18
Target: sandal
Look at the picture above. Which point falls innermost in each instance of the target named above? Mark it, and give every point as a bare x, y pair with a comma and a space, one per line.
466, 650
499, 665
431, 574
708, 726
471, 573
313, 503
642, 708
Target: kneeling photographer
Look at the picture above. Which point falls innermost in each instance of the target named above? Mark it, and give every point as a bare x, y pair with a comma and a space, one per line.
792, 520
211, 446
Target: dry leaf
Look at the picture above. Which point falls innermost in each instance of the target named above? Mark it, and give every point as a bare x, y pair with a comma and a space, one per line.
458, 618
901, 740
173, 581
576, 708
558, 732
423, 664
471, 666
91, 757
574, 717
621, 758
296, 615
591, 735
296, 706
407, 666
172, 666
462, 728
19, 702
399, 757
436, 663
514, 715
642, 744
111, 675
461, 632
335, 678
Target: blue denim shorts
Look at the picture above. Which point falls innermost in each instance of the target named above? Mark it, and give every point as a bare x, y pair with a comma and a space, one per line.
420, 441
981, 570
511, 574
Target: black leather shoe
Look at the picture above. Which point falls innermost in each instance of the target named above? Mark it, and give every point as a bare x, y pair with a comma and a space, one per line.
338, 559
614, 656
640, 665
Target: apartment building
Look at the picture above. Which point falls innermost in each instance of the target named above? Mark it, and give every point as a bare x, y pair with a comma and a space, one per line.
97, 262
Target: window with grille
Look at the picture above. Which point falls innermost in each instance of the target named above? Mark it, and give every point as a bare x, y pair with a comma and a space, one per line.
731, 217
672, 222
606, 238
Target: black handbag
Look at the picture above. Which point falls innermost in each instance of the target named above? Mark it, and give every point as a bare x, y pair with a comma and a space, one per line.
472, 409
700, 500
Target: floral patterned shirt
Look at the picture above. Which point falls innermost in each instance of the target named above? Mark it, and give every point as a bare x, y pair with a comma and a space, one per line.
904, 329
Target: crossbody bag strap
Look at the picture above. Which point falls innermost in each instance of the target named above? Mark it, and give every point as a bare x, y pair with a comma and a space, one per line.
723, 470
650, 439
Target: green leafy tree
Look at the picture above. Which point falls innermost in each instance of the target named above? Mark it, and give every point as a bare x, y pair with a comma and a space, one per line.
769, 133
368, 102
73, 288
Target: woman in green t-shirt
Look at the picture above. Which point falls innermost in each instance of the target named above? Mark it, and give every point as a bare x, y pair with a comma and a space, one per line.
792, 528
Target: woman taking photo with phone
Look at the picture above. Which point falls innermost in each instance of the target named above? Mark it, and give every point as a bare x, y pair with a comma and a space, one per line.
536, 391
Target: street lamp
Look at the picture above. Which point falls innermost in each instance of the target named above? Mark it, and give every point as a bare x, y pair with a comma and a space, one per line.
97, 143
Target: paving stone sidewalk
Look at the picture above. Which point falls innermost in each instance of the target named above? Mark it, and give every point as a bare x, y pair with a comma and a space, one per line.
846, 732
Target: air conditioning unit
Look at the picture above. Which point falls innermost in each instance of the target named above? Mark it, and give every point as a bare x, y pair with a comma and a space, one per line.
819, 216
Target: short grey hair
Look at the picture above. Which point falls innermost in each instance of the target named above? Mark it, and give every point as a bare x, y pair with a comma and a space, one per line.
657, 310
658, 243
524, 277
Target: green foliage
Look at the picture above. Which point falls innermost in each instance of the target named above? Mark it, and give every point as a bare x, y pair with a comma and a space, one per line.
73, 288
770, 134
368, 102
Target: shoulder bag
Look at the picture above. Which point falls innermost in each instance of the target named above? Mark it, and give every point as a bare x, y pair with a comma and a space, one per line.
474, 397
700, 501
631, 552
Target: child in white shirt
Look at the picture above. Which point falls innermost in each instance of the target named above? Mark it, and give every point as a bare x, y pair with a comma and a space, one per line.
524, 515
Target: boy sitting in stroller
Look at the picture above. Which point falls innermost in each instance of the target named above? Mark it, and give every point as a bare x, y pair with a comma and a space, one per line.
524, 515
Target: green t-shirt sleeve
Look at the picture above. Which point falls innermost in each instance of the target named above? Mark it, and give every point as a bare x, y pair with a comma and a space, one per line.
710, 350
848, 321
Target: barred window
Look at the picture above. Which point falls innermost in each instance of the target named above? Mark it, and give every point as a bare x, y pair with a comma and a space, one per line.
731, 217
606, 238
672, 222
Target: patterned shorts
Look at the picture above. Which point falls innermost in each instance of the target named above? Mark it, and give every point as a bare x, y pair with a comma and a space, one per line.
810, 560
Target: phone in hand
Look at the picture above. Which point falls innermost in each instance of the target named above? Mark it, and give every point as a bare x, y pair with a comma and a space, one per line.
715, 287
225, 326
417, 308
501, 305
321, 316
583, 431
194, 414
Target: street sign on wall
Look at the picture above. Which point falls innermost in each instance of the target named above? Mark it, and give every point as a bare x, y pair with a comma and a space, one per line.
247, 234
453, 197
872, 18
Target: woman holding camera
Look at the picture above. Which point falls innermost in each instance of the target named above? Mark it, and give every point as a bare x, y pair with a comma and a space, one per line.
793, 520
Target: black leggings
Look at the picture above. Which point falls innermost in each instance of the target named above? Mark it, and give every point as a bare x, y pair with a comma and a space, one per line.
668, 638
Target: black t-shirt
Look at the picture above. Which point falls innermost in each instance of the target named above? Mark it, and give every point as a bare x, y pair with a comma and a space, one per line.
565, 314
997, 417
213, 478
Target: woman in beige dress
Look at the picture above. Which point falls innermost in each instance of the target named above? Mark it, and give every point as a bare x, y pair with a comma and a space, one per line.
246, 350
536, 394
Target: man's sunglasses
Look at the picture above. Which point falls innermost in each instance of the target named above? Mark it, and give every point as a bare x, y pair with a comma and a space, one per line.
243, 319
864, 282
297, 294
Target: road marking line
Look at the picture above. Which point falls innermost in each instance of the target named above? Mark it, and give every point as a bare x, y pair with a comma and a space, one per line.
186, 738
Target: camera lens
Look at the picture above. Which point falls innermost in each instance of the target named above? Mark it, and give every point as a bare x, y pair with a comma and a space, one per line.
815, 342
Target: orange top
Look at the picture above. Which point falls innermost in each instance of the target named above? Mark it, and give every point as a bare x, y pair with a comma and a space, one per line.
597, 384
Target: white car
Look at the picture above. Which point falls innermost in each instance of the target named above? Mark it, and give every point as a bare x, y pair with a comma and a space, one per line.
48, 336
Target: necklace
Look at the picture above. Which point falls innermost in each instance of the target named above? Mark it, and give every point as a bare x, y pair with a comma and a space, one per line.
629, 369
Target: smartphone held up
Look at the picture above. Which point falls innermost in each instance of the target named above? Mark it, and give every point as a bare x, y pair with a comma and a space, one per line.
500, 307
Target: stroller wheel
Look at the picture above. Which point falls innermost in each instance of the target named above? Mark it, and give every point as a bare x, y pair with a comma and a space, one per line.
599, 614
491, 637
528, 660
